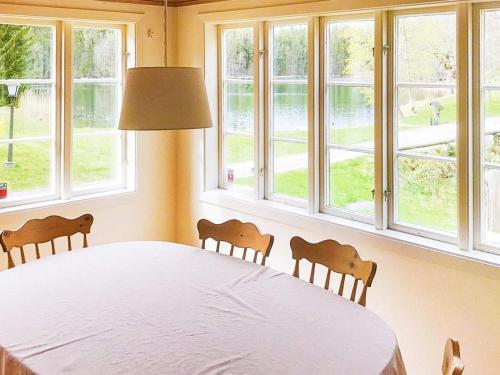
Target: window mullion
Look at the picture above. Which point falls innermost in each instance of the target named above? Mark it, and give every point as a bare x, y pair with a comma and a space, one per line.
260, 94
313, 114
464, 137
67, 138
380, 100
323, 161
267, 109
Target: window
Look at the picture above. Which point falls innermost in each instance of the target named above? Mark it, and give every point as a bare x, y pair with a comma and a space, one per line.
490, 127
424, 119
366, 116
288, 112
96, 161
238, 109
28, 157
43, 154
349, 116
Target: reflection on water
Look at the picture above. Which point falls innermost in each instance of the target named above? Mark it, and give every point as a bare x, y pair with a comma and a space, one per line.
349, 107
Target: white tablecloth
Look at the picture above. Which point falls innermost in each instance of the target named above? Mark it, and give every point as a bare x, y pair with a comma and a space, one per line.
161, 308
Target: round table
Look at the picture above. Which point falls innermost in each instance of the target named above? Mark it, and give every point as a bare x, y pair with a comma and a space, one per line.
164, 308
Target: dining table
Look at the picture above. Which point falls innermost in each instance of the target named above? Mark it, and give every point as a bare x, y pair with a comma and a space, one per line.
165, 308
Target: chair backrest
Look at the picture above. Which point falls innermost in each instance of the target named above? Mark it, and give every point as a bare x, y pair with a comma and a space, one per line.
342, 259
452, 363
40, 231
237, 234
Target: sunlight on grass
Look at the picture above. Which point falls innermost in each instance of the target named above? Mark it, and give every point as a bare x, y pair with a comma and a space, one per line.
351, 183
32, 168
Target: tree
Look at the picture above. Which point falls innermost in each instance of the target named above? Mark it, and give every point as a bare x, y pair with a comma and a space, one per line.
15, 44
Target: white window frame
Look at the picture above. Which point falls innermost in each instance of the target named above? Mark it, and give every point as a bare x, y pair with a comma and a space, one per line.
268, 109
55, 137
69, 190
393, 153
478, 90
221, 110
62, 137
324, 141
468, 140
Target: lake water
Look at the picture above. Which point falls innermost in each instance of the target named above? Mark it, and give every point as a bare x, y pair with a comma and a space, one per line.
349, 107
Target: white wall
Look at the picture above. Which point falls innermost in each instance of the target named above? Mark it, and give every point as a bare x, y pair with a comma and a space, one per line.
149, 213
424, 296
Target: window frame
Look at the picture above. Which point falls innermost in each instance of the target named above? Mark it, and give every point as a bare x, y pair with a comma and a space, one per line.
69, 190
62, 137
323, 129
268, 113
55, 137
221, 105
392, 86
478, 11
468, 189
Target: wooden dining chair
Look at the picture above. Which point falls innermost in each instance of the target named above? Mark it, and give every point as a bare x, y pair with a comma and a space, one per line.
242, 235
452, 363
39, 231
341, 259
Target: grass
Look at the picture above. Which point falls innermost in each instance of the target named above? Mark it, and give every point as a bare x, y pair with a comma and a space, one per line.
94, 158
351, 182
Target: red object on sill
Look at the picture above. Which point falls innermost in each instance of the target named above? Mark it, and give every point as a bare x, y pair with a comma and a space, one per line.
3, 190
230, 175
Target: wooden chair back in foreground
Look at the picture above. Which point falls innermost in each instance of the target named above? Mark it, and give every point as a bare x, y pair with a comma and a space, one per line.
237, 234
452, 363
40, 231
342, 259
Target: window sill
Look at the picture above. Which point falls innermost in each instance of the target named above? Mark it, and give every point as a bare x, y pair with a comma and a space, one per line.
61, 202
286, 214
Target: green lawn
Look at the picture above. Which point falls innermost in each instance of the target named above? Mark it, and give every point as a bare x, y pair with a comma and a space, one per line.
427, 201
94, 157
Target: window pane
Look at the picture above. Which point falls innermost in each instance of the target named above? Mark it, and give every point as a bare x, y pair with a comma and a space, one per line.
27, 110
31, 52
238, 134
238, 107
424, 116
492, 125
290, 110
290, 169
33, 114
289, 49
491, 205
351, 181
350, 51
96, 161
426, 46
97, 93
96, 53
351, 116
427, 193
239, 156
491, 45
32, 173
490, 128
238, 53
96, 106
